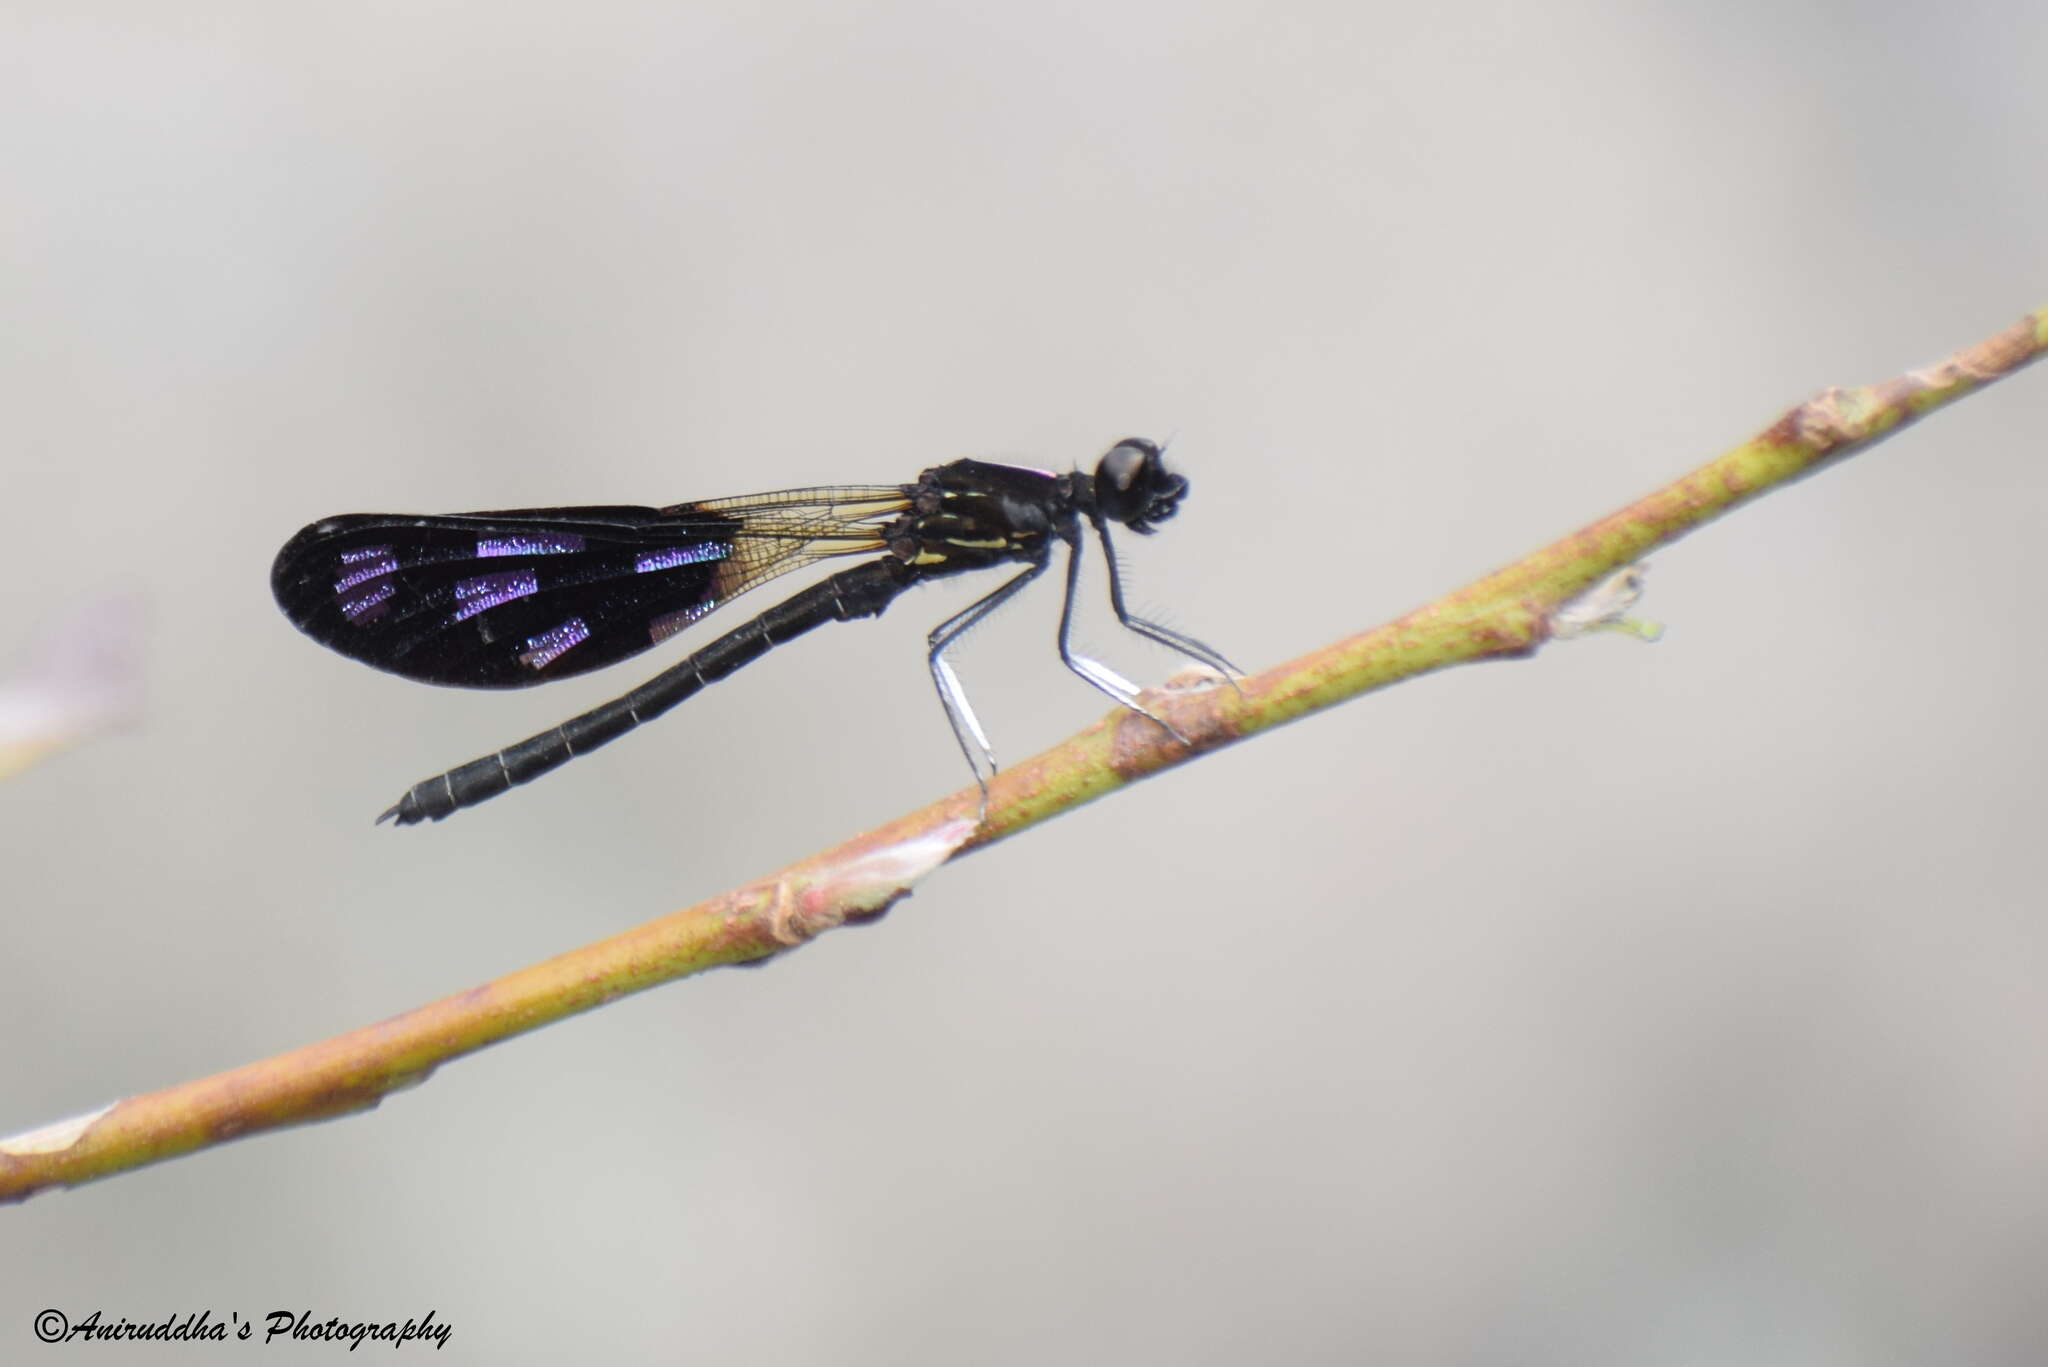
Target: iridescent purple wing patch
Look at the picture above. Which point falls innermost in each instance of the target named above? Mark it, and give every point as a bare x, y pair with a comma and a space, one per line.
363, 564
487, 591
672, 556
552, 544
363, 606
669, 623
544, 649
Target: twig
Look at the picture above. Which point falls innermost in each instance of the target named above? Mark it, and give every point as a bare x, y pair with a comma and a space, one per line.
1583, 578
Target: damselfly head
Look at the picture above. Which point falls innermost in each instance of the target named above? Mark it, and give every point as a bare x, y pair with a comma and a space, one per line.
1134, 487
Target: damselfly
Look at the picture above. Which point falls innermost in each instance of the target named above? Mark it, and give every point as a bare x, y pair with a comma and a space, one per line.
510, 599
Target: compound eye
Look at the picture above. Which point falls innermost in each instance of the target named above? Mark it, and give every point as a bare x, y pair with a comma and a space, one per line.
1121, 468
1133, 487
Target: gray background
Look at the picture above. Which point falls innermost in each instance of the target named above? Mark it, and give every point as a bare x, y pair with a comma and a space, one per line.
1675, 1004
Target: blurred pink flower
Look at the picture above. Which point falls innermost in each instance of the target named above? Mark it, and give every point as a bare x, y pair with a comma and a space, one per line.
79, 679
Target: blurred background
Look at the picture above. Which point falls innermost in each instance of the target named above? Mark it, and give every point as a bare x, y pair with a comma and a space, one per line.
1660, 1004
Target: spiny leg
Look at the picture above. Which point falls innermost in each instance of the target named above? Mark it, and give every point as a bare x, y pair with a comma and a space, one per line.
966, 726
1152, 631
1094, 671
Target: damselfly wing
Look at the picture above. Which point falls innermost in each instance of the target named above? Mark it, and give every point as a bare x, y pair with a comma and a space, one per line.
520, 597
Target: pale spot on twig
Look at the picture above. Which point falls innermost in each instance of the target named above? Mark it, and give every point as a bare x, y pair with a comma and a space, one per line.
1604, 607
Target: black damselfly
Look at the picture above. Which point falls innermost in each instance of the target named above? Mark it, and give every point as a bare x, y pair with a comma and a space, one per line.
515, 598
